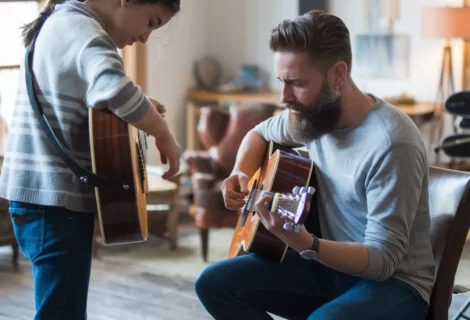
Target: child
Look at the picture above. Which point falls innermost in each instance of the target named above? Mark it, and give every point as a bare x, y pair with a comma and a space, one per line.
75, 66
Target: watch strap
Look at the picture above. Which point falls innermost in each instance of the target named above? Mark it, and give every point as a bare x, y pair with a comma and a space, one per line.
316, 244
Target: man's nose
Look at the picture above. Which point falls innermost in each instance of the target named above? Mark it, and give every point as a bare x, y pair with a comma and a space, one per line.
287, 94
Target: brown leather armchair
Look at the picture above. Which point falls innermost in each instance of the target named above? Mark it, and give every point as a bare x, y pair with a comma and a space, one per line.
221, 132
449, 204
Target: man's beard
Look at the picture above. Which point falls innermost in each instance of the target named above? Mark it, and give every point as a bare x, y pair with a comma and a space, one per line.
316, 119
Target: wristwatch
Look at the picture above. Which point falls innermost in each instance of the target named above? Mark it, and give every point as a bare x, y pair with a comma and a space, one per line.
311, 253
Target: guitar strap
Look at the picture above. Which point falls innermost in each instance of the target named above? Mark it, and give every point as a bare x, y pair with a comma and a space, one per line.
86, 176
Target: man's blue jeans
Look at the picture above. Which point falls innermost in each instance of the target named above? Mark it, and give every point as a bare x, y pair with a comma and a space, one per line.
59, 244
247, 287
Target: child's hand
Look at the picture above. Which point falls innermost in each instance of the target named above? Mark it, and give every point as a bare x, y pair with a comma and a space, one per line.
160, 107
169, 148
170, 153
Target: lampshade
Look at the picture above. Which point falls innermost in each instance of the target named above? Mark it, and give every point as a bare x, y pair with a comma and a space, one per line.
449, 22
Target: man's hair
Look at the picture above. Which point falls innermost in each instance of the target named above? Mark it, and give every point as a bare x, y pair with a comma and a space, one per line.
324, 36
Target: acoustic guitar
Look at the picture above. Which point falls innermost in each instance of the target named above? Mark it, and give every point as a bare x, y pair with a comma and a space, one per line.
118, 152
118, 168
282, 171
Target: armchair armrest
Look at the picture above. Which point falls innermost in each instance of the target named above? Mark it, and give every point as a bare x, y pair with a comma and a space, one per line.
207, 191
202, 162
212, 125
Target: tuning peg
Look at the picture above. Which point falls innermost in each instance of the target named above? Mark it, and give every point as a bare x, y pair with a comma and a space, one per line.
295, 190
302, 190
311, 190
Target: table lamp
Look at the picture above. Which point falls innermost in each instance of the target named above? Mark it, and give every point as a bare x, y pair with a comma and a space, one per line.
447, 23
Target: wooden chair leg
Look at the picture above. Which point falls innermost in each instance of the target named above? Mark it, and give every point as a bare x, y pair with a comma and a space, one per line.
204, 233
15, 254
172, 224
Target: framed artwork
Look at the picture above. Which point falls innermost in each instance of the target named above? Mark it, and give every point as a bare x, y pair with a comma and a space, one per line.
382, 56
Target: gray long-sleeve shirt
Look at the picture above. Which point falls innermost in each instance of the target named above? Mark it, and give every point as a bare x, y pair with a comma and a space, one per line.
77, 67
373, 189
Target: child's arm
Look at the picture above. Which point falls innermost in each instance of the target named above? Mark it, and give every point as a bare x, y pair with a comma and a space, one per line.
170, 151
108, 86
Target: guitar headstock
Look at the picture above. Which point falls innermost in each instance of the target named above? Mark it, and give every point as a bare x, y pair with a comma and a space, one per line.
293, 207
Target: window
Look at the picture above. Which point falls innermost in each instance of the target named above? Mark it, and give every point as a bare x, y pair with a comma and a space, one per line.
13, 15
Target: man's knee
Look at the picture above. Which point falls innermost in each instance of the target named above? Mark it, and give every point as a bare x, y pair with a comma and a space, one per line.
332, 311
209, 281
202, 283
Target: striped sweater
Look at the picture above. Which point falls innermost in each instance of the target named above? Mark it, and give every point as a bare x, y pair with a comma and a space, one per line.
76, 68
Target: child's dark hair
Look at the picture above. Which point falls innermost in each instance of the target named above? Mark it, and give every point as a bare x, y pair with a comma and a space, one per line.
32, 28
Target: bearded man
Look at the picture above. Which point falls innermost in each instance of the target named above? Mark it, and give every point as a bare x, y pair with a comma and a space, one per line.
374, 258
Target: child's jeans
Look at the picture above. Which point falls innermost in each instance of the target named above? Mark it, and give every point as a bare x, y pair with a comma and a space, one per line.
59, 244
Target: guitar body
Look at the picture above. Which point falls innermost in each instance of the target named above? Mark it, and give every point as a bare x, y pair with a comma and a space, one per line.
116, 153
281, 171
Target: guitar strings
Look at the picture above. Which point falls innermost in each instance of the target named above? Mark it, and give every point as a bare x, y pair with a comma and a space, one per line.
287, 203
262, 193
142, 143
141, 149
256, 194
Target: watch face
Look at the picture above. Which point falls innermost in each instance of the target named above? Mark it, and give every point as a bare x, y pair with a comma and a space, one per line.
308, 254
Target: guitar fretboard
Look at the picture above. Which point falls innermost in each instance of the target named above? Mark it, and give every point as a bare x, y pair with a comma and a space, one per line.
287, 203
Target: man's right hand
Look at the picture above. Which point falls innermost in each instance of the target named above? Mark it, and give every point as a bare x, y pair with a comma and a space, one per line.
234, 190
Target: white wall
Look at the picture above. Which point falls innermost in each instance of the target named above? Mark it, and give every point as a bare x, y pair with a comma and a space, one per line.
233, 31
170, 56
237, 32
425, 54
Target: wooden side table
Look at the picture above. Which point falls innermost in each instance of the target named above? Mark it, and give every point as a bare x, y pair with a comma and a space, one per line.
162, 210
163, 197
419, 112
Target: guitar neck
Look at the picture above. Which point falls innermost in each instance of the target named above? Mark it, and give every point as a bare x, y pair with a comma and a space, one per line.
254, 196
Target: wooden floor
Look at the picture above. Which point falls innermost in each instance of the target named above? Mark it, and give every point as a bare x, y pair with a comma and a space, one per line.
119, 291
116, 292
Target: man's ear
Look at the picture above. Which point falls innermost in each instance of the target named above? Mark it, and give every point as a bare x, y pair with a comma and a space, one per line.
340, 72
124, 3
